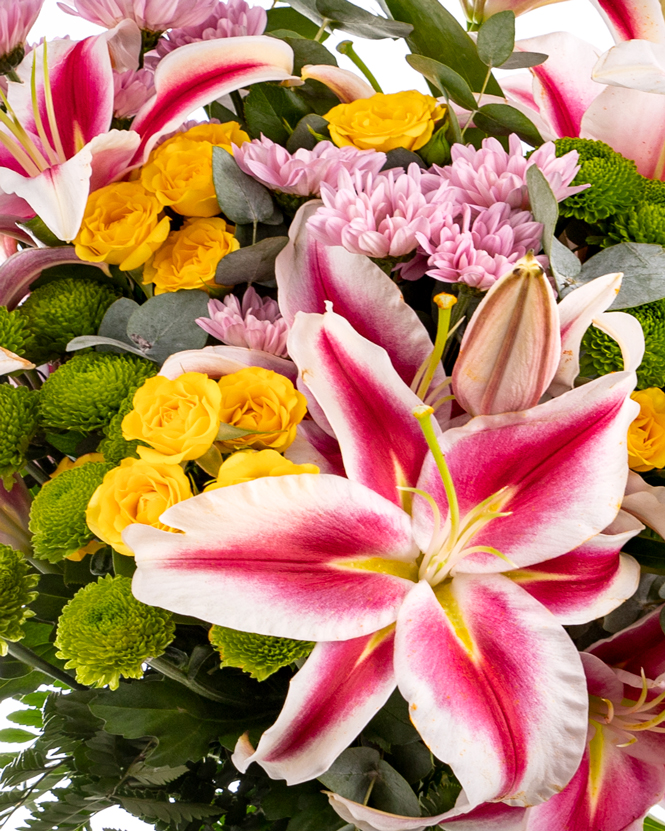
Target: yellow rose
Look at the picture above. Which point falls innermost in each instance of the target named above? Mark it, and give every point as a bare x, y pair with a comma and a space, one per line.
122, 225
136, 491
646, 434
179, 418
247, 465
384, 122
188, 259
264, 401
69, 464
179, 171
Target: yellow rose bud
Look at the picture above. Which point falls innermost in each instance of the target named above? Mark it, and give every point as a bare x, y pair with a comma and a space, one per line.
179, 418
646, 434
91, 548
179, 171
136, 491
263, 401
188, 259
247, 465
69, 464
122, 225
384, 122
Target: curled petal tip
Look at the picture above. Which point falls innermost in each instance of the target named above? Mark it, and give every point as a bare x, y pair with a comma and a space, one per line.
346, 85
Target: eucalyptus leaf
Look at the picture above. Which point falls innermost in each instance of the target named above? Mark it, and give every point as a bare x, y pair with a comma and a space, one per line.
241, 197
114, 323
254, 264
359, 22
306, 132
502, 120
445, 78
523, 60
401, 157
167, 323
496, 39
86, 341
643, 268
289, 18
308, 9
222, 113
393, 794
565, 266
308, 52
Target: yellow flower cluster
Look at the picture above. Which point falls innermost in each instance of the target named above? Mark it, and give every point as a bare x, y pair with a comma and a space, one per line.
646, 434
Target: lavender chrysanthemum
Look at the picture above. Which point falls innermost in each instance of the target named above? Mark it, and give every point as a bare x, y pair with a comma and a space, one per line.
256, 323
149, 15
231, 19
16, 20
131, 90
302, 173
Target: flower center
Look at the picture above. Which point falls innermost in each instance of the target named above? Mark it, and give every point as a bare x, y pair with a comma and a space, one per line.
628, 717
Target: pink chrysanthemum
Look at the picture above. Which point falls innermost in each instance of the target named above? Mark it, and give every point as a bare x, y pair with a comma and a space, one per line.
131, 90
17, 17
378, 217
149, 15
303, 172
478, 252
481, 178
256, 323
231, 19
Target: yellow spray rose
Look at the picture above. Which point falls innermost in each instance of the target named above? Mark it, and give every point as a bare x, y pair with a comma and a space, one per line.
646, 434
264, 401
384, 122
247, 465
122, 225
136, 491
188, 259
179, 418
69, 464
179, 171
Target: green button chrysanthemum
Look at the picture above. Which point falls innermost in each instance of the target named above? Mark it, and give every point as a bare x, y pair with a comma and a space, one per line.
62, 310
85, 393
104, 633
14, 333
16, 592
18, 425
57, 516
259, 655
601, 353
114, 446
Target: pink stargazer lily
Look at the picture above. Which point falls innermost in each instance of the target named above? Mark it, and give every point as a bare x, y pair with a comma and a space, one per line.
625, 753
406, 579
55, 141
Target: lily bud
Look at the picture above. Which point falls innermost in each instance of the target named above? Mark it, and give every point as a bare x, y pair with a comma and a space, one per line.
512, 345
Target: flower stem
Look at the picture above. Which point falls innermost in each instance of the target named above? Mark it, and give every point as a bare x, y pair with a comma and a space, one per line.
27, 656
171, 671
445, 302
345, 47
322, 29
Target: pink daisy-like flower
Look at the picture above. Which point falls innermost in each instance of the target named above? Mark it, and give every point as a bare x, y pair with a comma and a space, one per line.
303, 172
379, 216
483, 177
131, 90
255, 323
149, 15
231, 19
17, 17
478, 252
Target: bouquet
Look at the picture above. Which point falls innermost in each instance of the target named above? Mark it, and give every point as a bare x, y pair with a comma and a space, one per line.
332, 423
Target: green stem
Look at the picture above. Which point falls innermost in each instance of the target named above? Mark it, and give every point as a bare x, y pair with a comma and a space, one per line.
27, 656
13, 76
322, 29
480, 97
37, 473
445, 303
171, 671
239, 107
345, 47
44, 567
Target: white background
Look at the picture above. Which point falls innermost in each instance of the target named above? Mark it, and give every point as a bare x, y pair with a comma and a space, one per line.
386, 60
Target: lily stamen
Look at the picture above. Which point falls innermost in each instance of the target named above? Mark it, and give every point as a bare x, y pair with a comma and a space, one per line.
50, 111
39, 124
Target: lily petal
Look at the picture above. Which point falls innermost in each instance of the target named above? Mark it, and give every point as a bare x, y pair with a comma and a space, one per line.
346, 85
11, 362
627, 332
629, 19
197, 73
645, 502
636, 64
589, 582
15, 514
368, 405
563, 465
493, 683
217, 361
339, 689
636, 648
111, 154
321, 581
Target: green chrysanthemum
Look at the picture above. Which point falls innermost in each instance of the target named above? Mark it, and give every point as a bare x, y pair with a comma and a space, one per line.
62, 310
14, 333
86, 392
104, 633
644, 223
16, 592
259, 655
57, 516
616, 186
113, 446
601, 354
18, 424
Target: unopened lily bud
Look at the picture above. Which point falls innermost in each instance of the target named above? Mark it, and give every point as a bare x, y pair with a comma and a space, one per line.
512, 345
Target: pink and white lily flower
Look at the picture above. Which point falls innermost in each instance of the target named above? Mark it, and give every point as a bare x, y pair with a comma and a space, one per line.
418, 571
55, 142
625, 753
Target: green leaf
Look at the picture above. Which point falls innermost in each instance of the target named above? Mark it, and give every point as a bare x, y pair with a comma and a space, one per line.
86, 341
651, 824
168, 812
65, 442
523, 60
241, 197
648, 552
53, 594
27, 718
14, 735
123, 565
643, 267
254, 264
287, 18
413, 761
401, 157
166, 324
315, 814
359, 22
267, 108
502, 120
445, 78
114, 323
38, 229
308, 52
392, 725
34, 699
21, 686
304, 133
436, 34
496, 39
147, 776
26, 765
221, 112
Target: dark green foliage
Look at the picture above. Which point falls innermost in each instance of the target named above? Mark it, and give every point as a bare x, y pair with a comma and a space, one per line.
18, 425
